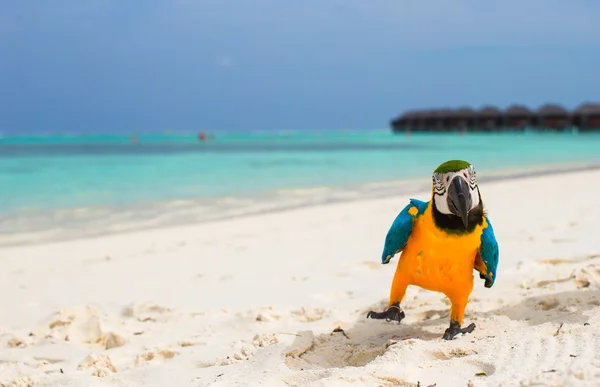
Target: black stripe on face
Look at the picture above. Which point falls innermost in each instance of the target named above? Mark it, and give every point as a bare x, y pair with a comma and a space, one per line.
438, 184
472, 174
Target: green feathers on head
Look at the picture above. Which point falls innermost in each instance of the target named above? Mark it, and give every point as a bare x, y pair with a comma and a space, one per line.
452, 166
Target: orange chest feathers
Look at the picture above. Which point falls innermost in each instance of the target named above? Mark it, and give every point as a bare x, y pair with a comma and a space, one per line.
439, 261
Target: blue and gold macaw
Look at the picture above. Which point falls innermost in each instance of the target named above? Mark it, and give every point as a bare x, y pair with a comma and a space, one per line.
442, 241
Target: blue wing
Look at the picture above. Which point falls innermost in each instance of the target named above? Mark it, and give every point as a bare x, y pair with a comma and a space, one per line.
400, 231
487, 259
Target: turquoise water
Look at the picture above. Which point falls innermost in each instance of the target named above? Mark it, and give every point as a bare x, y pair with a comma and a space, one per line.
48, 173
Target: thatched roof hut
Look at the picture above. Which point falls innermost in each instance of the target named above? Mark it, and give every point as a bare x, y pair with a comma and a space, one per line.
464, 118
553, 116
411, 114
588, 109
518, 111
441, 113
465, 112
418, 118
587, 116
489, 111
412, 119
552, 110
518, 117
489, 118
435, 118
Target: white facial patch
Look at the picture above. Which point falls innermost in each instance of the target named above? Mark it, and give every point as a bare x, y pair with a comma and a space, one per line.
441, 182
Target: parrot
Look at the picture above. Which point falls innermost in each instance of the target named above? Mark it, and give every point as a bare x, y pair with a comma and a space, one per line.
441, 242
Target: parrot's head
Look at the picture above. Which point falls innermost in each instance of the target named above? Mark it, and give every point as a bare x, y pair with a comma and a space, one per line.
456, 198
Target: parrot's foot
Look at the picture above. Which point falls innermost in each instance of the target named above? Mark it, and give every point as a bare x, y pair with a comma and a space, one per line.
393, 312
455, 329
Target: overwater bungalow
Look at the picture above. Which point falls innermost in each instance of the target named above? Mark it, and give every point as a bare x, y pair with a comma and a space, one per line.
587, 117
518, 117
409, 121
441, 120
414, 120
554, 117
418, 119
490, 118
465, 118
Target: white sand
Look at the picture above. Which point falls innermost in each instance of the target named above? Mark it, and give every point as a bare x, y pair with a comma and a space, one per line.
254, 301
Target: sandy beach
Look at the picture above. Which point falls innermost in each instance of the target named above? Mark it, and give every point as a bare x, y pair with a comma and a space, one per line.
255, 301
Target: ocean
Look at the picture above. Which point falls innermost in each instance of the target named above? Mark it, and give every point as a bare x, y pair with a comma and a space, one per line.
62, 186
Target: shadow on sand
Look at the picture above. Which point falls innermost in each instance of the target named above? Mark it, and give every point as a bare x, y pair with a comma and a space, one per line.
367, 339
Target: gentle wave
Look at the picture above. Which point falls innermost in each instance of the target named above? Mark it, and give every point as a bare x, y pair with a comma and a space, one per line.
30, 227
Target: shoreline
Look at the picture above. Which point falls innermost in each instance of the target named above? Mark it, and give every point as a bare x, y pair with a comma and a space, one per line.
187, 212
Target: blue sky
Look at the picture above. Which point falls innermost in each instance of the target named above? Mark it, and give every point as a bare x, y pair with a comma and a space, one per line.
131, 66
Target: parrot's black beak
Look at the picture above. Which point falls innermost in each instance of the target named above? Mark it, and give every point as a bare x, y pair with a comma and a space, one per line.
459, 199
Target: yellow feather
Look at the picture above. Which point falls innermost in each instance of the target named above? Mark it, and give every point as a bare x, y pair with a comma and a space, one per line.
413, 211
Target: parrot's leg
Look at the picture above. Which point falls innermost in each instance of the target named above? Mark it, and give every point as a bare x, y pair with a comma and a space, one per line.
457, 313
455, 329
393, 311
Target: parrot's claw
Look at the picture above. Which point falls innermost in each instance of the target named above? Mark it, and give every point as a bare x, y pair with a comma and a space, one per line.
393, 312
455, 329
